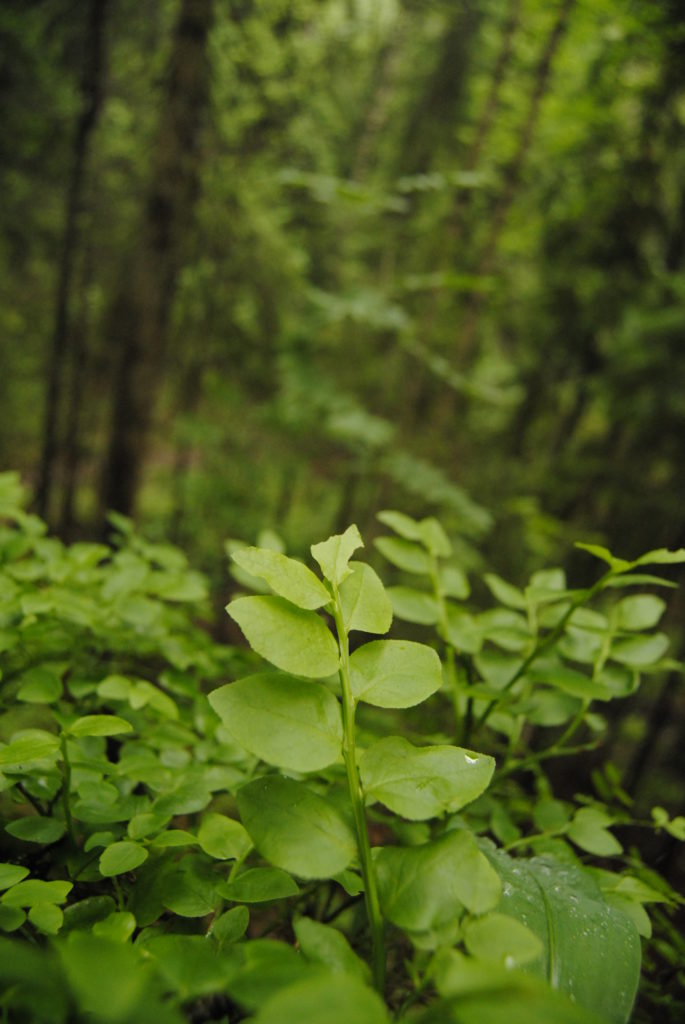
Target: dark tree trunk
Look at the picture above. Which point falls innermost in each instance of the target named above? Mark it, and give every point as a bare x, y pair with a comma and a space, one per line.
91, 91
139, 318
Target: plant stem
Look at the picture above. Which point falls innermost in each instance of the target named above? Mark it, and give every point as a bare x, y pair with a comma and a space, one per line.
373, 909
66, 788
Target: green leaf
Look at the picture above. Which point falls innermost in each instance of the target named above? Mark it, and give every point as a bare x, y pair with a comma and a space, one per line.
191, 889
325, 945
294, 640
11, 918
454, 582
404, 554
261, 968
119, 927
485, 993
223, 838
365, 604
33, 745
590, 950
35, 891
282, 720
423, 782
40, 685
295, 828
260, 885
588, 830
326, 998
231, 926
503, 939
639, 651
37, 829
121, 857
46, 917
616, 564
414, 605
395, 673
401, 523
572, 682
334, 554
10, 874
286, 576
639, 611
145, 824
661, 556
504, 592
428, 886
99, 725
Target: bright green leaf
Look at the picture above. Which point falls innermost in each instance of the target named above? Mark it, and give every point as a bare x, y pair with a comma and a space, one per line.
365, 604
395, 673
294, 640
404, 554
99, 725
33, 745
35, 891
423, 782
333, 555
295, 828
324, 999
286, 576
119, 927
222, 837
282, 720
325, 945
260, 885
10, 874
122, 857
37, 829
414, 605
503, 939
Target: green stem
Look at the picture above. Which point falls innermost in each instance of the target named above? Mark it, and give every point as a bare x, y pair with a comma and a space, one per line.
373, 908
66, 788
546, 641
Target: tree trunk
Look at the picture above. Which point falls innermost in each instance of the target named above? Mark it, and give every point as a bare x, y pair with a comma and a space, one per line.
91, 92
139, 318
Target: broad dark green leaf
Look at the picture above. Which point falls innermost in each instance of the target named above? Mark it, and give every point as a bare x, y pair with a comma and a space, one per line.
590, 950
423, 782
286, 576
282, 720
395, 673
294, 640
295, 828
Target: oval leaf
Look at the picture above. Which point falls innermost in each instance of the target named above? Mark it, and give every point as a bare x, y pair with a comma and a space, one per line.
282, 720
325, 998
295, 828
259, 885
121, 857
364, 601
294, 640
394, 673
286, 576
99, 725
423, 782
223, 838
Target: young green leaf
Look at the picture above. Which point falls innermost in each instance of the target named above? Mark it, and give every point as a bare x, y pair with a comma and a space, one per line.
32, 745
286, 576
364, 601
639, 611
37, 829
231, 926
639, 651
325, 945
395, 673
503, 939
222, 837
46, 917
10, 874
99, 725
404, 554
284, 721
333, 555
589, 831
35, 891
292, 639
423, 782
294, 828
121, 857
414, 605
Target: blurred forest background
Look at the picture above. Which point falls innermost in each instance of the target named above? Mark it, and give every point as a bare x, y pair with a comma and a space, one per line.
281, 264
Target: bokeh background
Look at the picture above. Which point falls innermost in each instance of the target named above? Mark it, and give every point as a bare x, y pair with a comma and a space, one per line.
277, 265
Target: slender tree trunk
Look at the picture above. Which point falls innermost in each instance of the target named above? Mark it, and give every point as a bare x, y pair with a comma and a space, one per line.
138, 325
91, 92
